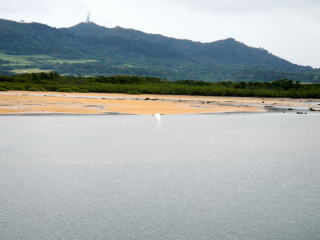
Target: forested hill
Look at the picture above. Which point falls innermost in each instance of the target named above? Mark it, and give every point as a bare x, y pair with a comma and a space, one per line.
228, 51
90, 49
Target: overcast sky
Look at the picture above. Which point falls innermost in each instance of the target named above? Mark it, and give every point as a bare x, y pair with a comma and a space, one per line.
287, 28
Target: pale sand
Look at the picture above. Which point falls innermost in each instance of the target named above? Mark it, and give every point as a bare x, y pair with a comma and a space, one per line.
23, 102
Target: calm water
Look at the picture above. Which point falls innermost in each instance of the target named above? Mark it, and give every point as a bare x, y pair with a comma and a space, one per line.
231, 176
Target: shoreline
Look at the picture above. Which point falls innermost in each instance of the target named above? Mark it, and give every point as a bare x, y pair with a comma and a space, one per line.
28, 102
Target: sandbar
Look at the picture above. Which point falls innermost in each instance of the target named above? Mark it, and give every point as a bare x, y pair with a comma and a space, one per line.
31, 102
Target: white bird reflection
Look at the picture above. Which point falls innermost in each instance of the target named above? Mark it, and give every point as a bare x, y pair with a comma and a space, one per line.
157, 117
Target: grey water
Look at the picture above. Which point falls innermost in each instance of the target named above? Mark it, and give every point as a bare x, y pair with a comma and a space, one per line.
225, 176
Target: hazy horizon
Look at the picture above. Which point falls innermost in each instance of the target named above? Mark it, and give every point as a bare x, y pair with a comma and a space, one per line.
285, 28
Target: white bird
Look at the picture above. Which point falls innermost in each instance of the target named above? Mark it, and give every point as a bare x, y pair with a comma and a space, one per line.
157, 117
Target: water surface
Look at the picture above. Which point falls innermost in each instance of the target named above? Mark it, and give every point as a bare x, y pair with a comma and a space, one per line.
228, 176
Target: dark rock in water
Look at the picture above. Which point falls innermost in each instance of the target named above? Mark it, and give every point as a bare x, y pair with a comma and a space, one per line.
116, 113
314, 110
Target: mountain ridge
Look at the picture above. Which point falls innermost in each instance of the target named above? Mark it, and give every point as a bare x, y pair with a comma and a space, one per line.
90, 28
128, 51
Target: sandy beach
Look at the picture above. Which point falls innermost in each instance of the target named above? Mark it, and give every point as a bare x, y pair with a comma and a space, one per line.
24, 102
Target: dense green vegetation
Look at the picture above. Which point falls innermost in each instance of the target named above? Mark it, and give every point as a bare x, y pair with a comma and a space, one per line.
90, 50
140, 85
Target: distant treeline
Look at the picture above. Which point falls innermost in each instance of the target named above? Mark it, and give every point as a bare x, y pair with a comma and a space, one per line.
151, 85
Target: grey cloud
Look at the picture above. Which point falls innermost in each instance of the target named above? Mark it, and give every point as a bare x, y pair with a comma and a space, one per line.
248, 5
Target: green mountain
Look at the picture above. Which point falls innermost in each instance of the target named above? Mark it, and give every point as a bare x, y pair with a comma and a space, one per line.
228, 51
90, 49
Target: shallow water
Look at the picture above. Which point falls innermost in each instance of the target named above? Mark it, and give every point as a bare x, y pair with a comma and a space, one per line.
228, 176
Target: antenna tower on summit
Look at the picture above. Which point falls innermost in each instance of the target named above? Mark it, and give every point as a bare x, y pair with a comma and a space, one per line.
88, 17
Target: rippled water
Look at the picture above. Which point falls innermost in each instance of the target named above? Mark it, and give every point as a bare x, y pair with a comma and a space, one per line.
229, 176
